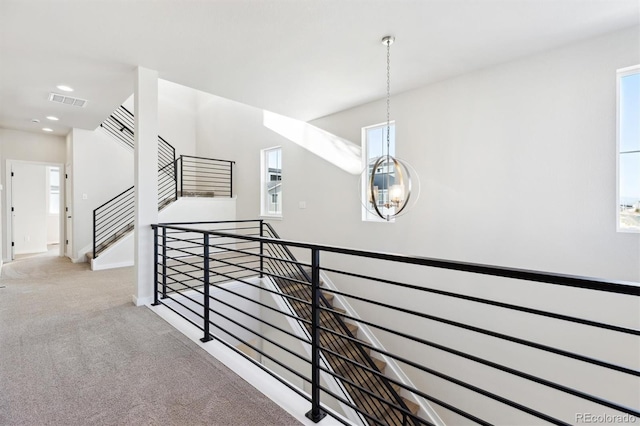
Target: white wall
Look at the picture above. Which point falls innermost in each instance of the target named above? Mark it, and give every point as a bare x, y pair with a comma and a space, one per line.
229, 130
25, 146
176, 116
517, 164
101, 170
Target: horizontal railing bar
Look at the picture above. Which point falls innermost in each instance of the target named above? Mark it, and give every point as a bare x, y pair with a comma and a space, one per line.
290, 262
497, 335
612, 286
428, 397
267, 370
206, 166
109, 226
260, 351
258, 334
380, 401
115, 207
120, 194
112, 237
205, 179
114, 230
126, 213
371, 417
479, 360
263, 304
169, 225
185, 283
492, 303
209, 159
183, 305
482, 392
201, 174
124, 217
303, 340
181, 314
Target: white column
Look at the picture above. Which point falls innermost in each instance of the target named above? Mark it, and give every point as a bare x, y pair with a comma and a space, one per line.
146, 180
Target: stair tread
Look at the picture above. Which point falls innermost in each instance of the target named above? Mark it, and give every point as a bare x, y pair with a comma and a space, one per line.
349, 356
412, 406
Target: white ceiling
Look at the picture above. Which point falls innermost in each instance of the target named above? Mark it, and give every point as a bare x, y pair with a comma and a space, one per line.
301, 58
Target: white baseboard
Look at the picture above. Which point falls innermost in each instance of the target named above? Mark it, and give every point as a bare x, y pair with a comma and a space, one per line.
80, 259
143, 301
99, 267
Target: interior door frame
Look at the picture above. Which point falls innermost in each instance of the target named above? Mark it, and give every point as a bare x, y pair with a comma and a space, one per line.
9, 202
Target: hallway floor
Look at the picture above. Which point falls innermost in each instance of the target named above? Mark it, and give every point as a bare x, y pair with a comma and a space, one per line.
75, 351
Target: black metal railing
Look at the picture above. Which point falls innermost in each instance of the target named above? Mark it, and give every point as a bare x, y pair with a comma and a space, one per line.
112, 220
444, 323
185, 176
205, 177
120, 124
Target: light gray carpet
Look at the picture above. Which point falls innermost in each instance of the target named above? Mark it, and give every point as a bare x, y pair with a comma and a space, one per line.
75, 351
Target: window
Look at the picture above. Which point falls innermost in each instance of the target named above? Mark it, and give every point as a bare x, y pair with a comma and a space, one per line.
271, 185
374, 145
628, 136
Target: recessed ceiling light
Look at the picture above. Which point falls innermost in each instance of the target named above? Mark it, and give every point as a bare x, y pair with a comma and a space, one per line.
46, 129
65, 88
52, 118
35, 120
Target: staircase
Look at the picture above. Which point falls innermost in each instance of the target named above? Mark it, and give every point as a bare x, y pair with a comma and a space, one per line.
185, 176
353, 363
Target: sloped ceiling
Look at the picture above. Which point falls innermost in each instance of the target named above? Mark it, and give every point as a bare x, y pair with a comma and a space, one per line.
300, 58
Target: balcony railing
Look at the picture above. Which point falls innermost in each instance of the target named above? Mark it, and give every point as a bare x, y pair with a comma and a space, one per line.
404, 339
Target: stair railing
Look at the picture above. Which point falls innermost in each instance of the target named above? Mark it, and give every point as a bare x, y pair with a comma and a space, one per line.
184, 176
205, 177
361, 362
207, 260
112, 220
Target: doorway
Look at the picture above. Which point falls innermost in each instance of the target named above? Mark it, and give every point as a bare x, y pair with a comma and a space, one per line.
35, 209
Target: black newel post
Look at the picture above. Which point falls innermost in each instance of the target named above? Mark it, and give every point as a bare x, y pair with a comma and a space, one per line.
181, 176
175, 178
164, 262
231, 179
316, 414
155, 267
261, 249
207, 336
94, 234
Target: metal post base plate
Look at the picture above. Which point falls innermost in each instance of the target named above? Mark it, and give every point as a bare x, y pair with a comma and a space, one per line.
316, 418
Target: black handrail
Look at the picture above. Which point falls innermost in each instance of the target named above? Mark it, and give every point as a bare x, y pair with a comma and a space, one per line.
280, 264
600, 284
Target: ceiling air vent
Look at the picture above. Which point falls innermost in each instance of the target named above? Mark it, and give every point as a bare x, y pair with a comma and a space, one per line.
67, 100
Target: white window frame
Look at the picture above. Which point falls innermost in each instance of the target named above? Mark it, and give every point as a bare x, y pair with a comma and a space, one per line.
619, 75
265, 197
367, 216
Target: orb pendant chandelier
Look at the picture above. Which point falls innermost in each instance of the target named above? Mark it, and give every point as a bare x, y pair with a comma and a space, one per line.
392, 185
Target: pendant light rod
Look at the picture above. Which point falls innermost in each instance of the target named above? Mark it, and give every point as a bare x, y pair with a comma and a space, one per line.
388, 41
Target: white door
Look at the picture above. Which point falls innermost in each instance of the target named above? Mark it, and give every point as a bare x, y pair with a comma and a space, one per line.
67, 208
